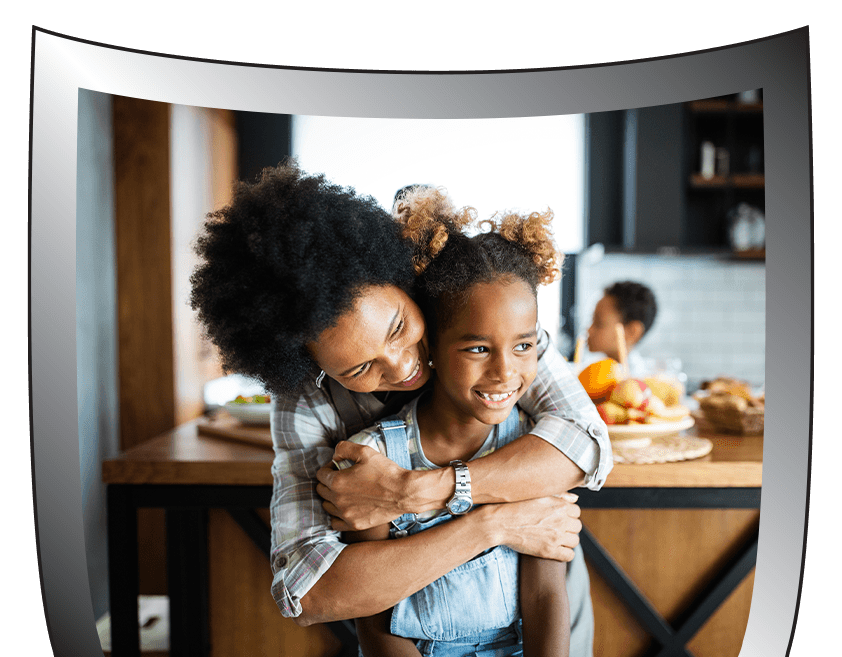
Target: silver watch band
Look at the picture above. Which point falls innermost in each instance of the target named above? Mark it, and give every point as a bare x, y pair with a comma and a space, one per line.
463, 478
461, 502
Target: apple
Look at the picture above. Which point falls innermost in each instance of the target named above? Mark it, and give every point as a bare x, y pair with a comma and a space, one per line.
632, 393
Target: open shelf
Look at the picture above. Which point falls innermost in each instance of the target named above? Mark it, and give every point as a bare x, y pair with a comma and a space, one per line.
735, 130
738, 180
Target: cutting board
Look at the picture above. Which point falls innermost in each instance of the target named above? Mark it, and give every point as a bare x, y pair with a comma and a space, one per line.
226, 427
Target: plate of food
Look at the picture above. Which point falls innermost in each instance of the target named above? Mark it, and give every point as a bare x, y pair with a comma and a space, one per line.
250, 410
635, 410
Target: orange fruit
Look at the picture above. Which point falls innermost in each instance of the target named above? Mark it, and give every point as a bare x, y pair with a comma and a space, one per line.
599, 378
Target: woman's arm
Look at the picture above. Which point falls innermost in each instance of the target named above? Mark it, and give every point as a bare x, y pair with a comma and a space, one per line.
379, 490
366, 578
304, 432
568, 447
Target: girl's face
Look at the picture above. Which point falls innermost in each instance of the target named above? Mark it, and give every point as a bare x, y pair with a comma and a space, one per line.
602, 334
487, 357
380, 344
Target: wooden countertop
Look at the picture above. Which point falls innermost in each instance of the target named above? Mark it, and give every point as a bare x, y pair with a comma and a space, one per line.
734, 462
184, 456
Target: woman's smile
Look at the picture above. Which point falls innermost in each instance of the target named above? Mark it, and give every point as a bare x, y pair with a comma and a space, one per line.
412, 379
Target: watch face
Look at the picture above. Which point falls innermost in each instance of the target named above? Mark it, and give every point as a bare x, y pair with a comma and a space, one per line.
459, 505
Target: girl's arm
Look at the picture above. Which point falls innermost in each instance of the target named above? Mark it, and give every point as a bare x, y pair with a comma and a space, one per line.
568, 447
373, 632
544, 607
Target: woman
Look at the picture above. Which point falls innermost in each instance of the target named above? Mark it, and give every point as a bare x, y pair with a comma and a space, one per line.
306, 287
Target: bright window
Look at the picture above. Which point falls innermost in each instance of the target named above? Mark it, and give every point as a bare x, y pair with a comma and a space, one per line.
521, 164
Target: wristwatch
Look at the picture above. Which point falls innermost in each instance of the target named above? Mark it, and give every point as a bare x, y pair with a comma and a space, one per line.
461, 502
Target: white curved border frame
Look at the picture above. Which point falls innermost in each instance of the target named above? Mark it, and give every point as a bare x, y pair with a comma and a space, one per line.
778, 64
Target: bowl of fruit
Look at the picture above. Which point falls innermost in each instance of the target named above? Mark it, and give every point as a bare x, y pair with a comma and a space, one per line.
250, 410
635, 409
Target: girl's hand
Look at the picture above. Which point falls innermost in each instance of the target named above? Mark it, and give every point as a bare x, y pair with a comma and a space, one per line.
372, 491
547, 527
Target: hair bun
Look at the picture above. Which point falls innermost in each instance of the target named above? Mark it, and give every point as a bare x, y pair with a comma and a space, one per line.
427, 218
533, 233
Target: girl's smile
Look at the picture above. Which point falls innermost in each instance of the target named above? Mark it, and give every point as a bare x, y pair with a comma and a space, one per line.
495, 399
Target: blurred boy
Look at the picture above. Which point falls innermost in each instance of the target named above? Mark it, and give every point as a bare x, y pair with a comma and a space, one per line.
630, 304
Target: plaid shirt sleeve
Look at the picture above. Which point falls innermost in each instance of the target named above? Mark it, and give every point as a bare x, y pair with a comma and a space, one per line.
304, 546
565, 416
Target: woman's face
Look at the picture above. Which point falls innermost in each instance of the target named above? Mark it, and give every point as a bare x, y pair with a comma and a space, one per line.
380, 344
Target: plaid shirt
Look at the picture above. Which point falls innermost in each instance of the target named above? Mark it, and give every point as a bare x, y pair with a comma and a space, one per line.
305, 431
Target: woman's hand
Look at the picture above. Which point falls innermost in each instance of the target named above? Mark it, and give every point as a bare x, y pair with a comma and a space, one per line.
373, 491
546, 527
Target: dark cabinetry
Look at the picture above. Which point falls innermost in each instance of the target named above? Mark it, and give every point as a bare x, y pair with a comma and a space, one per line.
733, 130
646, 190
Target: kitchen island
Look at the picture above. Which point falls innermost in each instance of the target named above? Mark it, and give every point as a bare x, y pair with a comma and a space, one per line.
671, 549
666, 544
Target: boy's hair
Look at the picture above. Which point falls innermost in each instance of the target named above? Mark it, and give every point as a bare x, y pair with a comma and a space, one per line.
448, 262
634, 301
282, 262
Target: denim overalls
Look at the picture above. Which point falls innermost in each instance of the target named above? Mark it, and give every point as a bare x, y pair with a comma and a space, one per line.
474, 608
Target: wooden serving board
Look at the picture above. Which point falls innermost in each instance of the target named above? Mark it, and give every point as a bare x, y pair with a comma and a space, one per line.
226, 427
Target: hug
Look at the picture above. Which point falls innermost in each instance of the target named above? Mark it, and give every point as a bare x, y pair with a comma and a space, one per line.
448, 527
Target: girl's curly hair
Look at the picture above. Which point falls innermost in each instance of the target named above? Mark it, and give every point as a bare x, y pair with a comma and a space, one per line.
427, 218
449, 262
282, 262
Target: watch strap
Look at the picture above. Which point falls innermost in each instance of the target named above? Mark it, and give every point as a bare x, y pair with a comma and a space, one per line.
463, 487
463, 477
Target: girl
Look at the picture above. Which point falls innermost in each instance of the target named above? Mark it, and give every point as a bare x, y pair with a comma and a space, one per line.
479, 297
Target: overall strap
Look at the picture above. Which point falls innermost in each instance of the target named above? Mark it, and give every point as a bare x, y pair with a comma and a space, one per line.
507, 430
394, 433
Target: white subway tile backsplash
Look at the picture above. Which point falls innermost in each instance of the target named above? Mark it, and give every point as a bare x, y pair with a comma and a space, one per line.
711, 311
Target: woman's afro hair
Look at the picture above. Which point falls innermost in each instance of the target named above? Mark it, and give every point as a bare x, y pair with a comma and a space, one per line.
448, 261
281, 263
